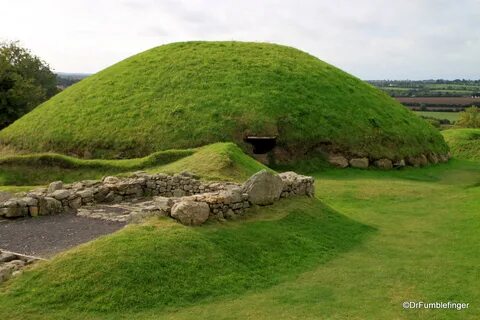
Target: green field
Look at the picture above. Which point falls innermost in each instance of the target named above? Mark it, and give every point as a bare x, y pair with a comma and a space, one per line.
370, 241
451, 116
186, 95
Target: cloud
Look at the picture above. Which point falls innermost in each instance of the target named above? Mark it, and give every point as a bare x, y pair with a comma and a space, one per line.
373, 39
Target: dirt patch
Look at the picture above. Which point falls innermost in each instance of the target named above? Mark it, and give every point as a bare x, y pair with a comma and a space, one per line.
47, 235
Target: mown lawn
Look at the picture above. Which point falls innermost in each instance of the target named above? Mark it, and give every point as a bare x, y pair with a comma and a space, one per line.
378, 239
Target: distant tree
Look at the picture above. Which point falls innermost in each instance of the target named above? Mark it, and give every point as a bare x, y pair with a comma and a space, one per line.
470, 118
25, 82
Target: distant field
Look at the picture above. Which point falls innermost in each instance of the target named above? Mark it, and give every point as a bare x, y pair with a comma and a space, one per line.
445, 101
452, 116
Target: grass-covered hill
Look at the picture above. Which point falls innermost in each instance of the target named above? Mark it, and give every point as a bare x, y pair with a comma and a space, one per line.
185, 95
464, 143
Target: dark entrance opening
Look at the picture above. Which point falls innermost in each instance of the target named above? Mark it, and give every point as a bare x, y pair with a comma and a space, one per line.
261, 145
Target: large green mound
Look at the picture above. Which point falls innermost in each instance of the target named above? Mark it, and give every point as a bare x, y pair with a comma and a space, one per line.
185, 95
163, 266
463, 143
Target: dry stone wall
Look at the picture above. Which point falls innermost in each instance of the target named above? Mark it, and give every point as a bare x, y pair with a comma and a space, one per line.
177, 196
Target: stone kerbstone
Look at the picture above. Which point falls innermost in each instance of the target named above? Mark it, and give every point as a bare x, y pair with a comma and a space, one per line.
384, 164
190, 213
399, 163
338, 161
417, 161
361, 163
263, 188
432, 158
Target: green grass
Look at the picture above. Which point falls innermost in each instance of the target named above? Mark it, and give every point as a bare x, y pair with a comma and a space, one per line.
376, 240
452, 116
164, 266
464, 143
186, 95
220, 161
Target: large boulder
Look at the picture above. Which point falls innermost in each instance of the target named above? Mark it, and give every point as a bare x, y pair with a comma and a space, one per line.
338, 161
417, 161
263, 188
384, 164
361, 163
190, 213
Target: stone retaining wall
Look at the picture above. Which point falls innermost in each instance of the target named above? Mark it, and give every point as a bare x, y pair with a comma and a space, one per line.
222, 200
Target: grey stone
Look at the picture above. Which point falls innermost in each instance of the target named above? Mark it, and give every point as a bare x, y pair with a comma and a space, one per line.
383, 164
417, 161
263, 188
164, 204
178, 193
29, 201
49, 205
361, 163
399, 163
75, 203
111, 180
88, 193
60, 194
338, 161
190, 212
432, 158
7, 257
54, 186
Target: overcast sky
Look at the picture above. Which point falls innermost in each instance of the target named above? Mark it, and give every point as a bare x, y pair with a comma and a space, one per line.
372, 39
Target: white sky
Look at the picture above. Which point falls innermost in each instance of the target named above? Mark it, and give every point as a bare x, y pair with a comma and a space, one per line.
372, 39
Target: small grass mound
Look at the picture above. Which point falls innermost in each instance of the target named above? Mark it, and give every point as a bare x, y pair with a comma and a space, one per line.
163, 265
186, 95
222, 161
464, 143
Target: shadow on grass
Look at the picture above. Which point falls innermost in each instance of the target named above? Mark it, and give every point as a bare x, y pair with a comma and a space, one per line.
163, 265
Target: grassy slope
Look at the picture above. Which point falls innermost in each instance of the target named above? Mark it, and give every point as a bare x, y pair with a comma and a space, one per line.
186, 95
464, 143
163, 266
223, 161
424, 249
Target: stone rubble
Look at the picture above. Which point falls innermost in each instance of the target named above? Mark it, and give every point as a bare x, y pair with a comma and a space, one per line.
12, 264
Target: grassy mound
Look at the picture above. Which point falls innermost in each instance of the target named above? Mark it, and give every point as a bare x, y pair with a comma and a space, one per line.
186, 95
163, 265
463, 143
220, 161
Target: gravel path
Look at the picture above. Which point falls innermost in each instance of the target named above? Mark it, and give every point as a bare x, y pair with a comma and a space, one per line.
47, 235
